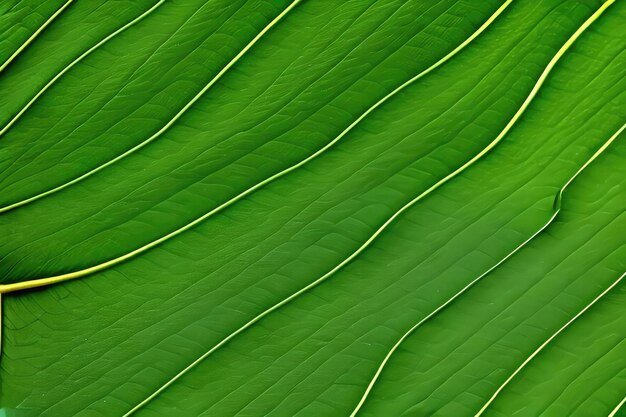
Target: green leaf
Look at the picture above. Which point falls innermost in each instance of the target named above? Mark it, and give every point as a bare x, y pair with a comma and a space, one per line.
21, 22
312, 208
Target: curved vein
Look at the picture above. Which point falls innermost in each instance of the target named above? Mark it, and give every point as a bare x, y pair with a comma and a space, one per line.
616, 409
78, 274
66, 69
165, 127
556, 210
540, 348
33, 36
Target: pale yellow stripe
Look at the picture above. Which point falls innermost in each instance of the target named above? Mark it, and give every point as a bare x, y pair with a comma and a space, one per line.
34, 35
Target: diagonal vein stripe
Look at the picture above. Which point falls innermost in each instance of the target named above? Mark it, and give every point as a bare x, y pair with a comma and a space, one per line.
33, 36
165, 127
543, 345
556, 210
84, 272
66, 69
617, 408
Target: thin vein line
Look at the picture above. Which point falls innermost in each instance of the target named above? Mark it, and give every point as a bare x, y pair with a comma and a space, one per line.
101, 106
60, 74
540, 348
81, 273
34, 35
166, 126
616, 409
556, 210
583, 374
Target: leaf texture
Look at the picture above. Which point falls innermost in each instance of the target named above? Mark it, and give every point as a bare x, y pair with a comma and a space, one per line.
312, 208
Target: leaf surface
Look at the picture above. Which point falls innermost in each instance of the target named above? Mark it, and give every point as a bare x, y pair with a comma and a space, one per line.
312, 208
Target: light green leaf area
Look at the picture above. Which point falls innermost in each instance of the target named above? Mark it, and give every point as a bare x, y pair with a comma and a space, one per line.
313, 208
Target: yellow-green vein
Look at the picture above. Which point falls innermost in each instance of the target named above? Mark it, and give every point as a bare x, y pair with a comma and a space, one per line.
165, 127
617, 408
34, 35
66, 69
543, 345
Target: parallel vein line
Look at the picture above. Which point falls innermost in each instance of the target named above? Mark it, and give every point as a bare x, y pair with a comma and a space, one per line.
81, 273
63, 71
166, 126
616, 409
581, 375
50, 128
556, 210
543, 345
33, 36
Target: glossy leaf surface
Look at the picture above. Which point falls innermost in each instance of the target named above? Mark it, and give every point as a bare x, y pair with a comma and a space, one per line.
312, 208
